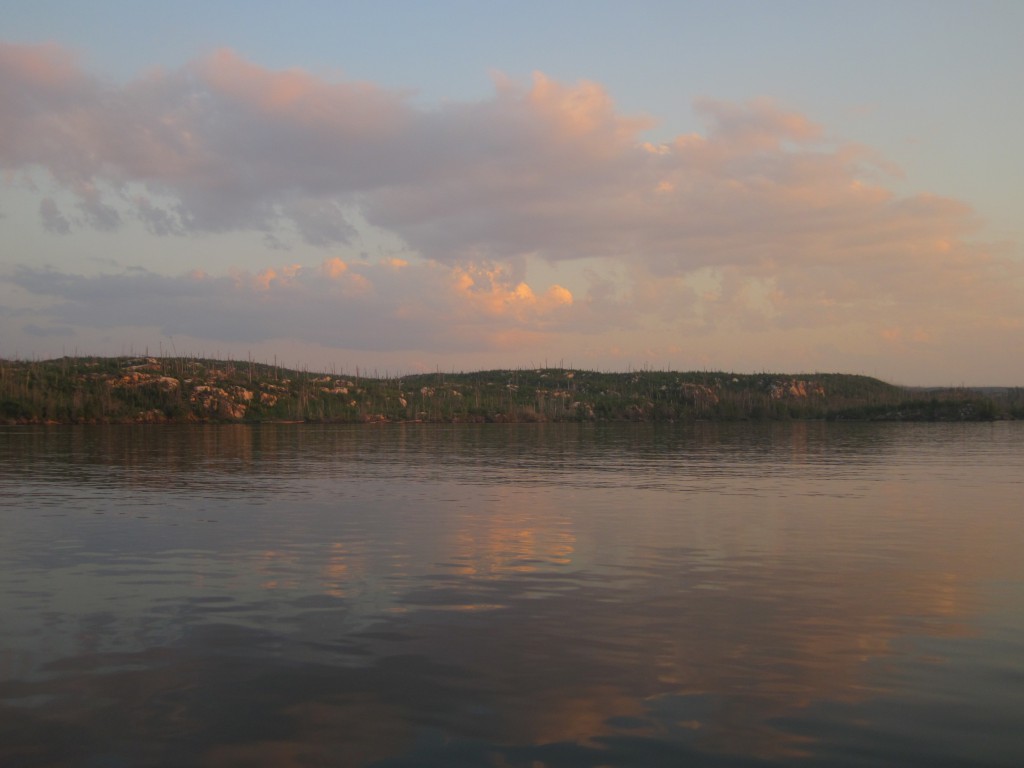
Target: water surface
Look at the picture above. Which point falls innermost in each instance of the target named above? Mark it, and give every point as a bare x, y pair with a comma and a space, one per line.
512, 595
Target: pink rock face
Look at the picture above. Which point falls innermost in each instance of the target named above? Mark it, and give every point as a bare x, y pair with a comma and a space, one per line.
796, 388
217, 401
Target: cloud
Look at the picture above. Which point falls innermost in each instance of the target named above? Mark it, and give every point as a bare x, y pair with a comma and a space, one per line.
550, 169
53, 220
388, 306
320, 222
156, 220
759, 222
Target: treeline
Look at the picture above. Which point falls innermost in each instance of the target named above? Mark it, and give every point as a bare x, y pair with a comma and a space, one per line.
76, 390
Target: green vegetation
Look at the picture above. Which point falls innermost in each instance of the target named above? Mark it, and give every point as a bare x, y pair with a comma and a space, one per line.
75, 390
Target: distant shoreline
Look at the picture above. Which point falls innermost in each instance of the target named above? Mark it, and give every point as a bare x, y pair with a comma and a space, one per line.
181, 390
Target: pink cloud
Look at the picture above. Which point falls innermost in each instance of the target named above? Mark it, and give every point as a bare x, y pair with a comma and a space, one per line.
550, 170
491, 292
759, 222
758, 125
391, 305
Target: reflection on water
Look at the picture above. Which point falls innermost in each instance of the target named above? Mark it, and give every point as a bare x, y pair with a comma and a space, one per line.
529, 595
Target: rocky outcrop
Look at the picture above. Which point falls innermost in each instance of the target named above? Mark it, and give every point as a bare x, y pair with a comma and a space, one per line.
700, 394
795, 388
136, 378
218, 402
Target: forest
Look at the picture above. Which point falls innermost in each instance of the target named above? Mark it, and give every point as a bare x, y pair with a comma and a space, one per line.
99, 390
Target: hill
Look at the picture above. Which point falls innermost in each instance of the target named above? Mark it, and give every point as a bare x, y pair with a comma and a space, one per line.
74, 390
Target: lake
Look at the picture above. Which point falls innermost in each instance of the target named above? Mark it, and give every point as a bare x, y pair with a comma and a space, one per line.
780, 594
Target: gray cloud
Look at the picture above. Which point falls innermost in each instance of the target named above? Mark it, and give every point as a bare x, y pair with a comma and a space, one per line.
320, 222
53, 220
99, 215
157, 220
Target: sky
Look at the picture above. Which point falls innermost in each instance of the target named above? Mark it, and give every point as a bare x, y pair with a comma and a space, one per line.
777, 186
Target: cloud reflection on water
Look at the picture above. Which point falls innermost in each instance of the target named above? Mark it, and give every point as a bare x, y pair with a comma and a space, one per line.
394, 596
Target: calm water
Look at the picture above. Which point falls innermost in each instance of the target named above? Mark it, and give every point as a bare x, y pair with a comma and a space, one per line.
512, 595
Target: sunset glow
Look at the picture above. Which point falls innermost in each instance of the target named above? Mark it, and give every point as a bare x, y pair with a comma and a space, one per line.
234, 197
